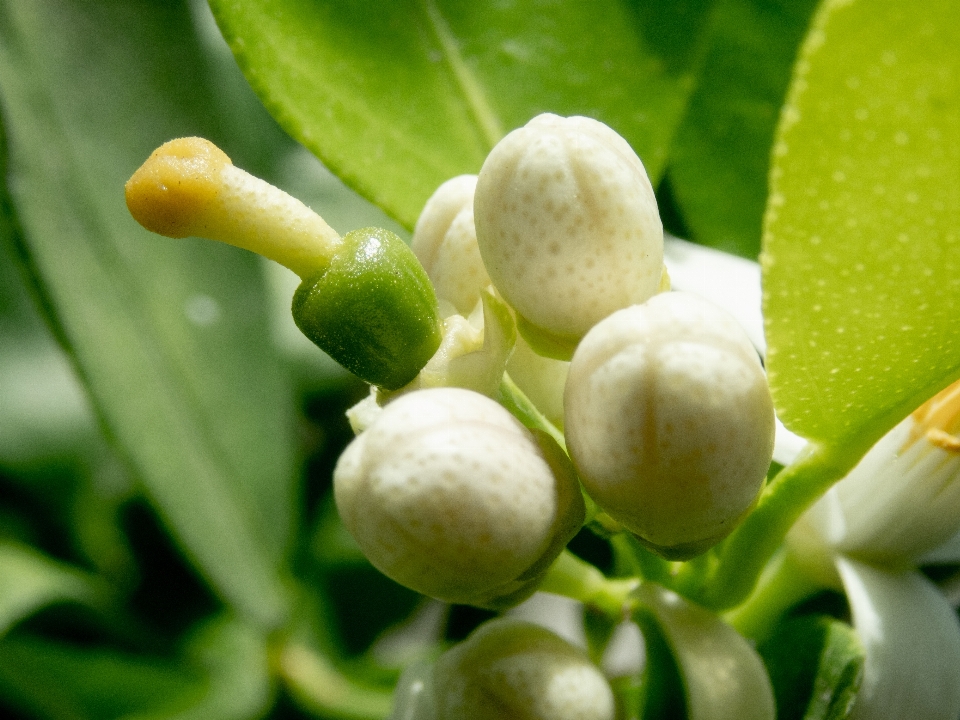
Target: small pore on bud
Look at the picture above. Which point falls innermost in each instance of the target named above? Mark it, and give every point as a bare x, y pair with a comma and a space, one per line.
173, 187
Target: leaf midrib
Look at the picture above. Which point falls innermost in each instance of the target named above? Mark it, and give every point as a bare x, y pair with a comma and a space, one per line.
487, 121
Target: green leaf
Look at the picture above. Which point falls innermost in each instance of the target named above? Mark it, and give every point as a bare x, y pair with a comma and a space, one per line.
44, 413
816, 667
170, 337
63, 682
29, 581
224, 675
397, 97
235, 659
861, 267
311, 665
720, 159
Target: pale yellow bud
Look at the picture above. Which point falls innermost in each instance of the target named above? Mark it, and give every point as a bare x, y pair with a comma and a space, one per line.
568, 227
445, 243
669, 421
512, 669
448, 494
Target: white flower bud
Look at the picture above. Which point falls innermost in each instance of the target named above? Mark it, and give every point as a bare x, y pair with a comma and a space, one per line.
902, 499
669, 421
445, 243
448, 494
568, 226
512, 669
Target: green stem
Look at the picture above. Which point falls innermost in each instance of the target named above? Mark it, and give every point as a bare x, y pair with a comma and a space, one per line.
639, 560
740, 559
322, 689
577, 579
782, 585
522, 408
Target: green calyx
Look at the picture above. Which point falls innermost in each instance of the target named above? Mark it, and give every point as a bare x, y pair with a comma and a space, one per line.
373, 309
545, 343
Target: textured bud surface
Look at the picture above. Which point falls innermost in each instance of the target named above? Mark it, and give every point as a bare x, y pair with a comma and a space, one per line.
512, 669
567, 224
448, 494
445, 242
669, 421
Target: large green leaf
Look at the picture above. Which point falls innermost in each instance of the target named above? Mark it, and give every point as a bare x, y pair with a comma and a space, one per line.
861, 263
398, 97
720, 158
170, 337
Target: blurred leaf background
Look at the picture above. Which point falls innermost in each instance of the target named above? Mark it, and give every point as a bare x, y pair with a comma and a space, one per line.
168, 546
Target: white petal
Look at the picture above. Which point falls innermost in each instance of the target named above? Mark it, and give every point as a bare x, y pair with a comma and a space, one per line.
945, 554
733, 283
787, 446
722, 673
726, 280
912, 641
902, 499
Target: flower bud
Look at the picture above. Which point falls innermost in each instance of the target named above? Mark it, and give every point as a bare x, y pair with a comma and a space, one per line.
445, 243
568, 227
669, 421
900, 501
448, 494
508, 669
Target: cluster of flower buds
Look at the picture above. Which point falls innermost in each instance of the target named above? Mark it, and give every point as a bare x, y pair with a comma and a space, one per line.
665, 405
549, 266
668, 418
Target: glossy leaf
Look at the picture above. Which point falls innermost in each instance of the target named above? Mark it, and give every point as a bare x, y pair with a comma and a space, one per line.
398, 97
816, 667
168, 336
720, 159
861, 262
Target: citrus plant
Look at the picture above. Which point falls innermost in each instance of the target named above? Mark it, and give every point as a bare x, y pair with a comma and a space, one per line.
549, 461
